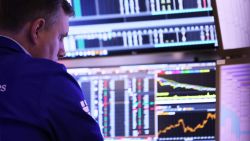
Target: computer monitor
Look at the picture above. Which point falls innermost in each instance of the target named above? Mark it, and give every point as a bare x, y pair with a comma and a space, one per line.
233, 20
153, 101
233, 100
119, 27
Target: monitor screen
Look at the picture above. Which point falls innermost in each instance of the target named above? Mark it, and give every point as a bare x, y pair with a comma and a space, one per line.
234, 102
151, 102
116, 27
233, 21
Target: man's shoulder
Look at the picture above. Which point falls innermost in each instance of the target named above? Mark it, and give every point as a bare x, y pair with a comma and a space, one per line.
44, 70
25, 66
52, 75
51, 71
45, 65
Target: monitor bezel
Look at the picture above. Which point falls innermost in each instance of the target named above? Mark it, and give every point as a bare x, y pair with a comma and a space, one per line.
158, 58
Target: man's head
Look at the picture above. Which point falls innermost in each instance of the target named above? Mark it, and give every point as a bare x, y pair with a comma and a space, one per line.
38, 25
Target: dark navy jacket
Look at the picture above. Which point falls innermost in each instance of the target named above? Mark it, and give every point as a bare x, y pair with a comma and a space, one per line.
39, 100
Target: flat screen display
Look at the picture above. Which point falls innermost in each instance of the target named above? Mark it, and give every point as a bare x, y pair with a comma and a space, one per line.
234, 102
152, 102
233, 19
118, 27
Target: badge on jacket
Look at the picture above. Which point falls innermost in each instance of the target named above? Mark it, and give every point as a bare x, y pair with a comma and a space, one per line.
85, 106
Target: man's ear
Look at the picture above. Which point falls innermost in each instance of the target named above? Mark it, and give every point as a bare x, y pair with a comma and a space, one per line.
37, 27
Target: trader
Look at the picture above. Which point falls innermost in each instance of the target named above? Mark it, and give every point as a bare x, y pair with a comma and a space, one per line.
39, 100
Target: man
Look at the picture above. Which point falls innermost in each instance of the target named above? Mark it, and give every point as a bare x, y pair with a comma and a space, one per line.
39, 100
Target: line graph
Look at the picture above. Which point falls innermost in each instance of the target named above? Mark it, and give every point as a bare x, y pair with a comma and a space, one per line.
187, 124
200, 86
186, 128
175, 84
